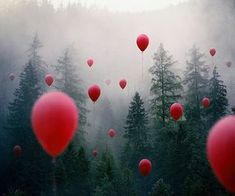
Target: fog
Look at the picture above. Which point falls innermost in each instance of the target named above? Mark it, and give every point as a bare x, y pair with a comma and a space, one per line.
109, 38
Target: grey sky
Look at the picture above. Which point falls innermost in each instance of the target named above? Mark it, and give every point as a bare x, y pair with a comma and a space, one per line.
125, 5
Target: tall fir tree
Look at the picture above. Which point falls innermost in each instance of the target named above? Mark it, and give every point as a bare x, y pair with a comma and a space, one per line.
217, 94
74, 161
31, 171
165, 87
136, 133
196, 80
69, 81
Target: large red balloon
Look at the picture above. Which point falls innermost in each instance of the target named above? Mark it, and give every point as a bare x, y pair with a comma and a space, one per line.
54, 121
206, 102
220, 151
94, 92
212, 51
229, 64
145, 167
49, 79
11, 76
90, 62
17, 150
112, 133
142, 42
94, 153
176, 111
123, 83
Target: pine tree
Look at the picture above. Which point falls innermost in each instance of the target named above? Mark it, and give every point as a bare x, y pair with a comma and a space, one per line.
68, 81
75, 164
72, 172
219, 102
31, 171
136, 133
196, 79
165, 87
160, 188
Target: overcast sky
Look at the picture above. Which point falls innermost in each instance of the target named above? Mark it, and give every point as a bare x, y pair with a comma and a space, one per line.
125, 5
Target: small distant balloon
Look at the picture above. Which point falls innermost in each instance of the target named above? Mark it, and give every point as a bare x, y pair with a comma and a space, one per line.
108, 82
176, 111
206, 102
229, 63
54, 120
94, 92
49, 79
123, 83
94, 153
142, 42
11, 76
90, 62
212, 51
112, 133
145, 167
17, 150
220, 151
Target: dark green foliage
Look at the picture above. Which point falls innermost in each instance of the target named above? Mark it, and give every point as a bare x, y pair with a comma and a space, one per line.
68, 81
136, 133
217, 94
165, 87
31, 171
196, 80
160, 188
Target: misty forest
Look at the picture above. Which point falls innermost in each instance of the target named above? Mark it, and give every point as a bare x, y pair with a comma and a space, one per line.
102, 103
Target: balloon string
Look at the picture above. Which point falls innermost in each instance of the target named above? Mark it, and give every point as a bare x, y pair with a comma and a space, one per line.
94, 116
54, 188
142, 66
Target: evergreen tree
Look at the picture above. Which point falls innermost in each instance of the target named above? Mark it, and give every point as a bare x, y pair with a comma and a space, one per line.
196, 80
68, 81
165, 87
217, 93
31, 171
75, 164
160, 188
136, 133
72, 173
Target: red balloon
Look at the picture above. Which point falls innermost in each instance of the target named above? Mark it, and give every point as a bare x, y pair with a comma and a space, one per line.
142, 42
90, 62
123, 83
54, 120
17, 150
206, 102
108, 82
220, 151
212, 51
176, 111
229, 64
94, 92
112, 133
145, 167
94, 153
49, 79
11, 76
